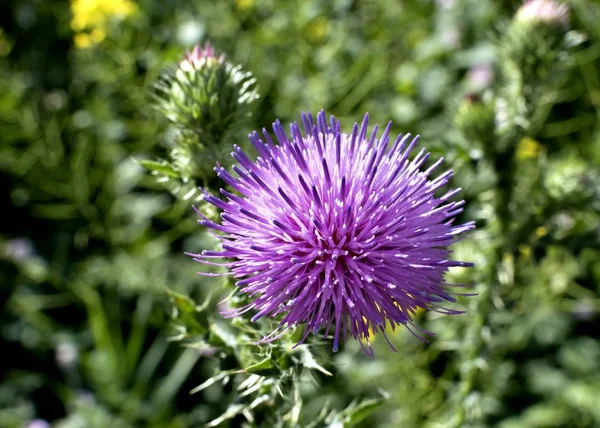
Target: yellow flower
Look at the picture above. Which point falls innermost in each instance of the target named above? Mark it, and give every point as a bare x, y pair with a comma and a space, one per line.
318, 29
244, 4
541, 231
528, 148
90, 18
85, 40
525, 251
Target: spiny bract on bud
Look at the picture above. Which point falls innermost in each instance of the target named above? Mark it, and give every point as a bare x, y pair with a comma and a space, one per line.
336, 231
207, 95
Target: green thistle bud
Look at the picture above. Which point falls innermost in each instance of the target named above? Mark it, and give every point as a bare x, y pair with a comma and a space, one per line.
475, 118
206, 95
536, 36
535, 57
569, 180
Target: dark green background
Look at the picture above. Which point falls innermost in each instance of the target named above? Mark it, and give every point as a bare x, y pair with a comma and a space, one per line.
88, 241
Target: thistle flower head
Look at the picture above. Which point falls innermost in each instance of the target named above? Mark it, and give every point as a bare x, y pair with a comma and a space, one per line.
544, 11
339, 232
206, 95
200, 57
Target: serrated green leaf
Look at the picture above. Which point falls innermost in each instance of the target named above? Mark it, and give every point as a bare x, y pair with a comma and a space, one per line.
188, 313
263, 368
308, 360
220, 336
161, 167
355, 414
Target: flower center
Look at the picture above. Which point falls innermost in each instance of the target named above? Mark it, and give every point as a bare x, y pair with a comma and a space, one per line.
330, 257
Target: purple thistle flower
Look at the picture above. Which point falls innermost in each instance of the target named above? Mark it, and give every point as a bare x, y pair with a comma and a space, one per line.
336, 231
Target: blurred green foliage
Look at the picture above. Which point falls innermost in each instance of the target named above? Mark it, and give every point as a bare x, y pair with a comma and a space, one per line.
90, 243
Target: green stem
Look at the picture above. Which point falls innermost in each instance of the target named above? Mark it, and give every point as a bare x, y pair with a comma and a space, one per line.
475, 342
